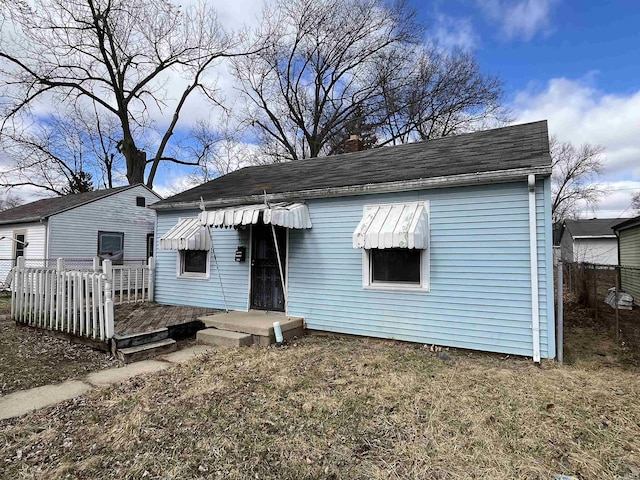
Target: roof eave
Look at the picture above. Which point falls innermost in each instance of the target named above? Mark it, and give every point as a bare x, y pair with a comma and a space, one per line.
626, 224
467, 179
23, 220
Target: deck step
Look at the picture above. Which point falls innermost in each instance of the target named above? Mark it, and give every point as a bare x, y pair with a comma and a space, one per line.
136, 339
223, 338
147, 350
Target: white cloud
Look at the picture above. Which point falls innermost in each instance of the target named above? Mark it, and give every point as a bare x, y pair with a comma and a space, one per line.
450, 32
617, 202
519, 19
174, 184
580, 113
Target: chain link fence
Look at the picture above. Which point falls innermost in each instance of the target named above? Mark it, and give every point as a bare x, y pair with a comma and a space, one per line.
594, 288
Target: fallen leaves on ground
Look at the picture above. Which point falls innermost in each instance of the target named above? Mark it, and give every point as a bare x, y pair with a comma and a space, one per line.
30, 358
342, 408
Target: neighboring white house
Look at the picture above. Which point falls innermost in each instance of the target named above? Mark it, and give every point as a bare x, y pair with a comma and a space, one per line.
113, 223
590, 241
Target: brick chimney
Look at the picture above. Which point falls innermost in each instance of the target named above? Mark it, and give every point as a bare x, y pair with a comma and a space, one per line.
353, 144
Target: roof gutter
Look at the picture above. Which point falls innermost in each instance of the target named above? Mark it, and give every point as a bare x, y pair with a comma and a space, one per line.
24, 220
632, 222
583, 237
467, 179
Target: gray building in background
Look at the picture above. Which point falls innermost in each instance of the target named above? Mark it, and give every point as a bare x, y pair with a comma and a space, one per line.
590, 241
628, 233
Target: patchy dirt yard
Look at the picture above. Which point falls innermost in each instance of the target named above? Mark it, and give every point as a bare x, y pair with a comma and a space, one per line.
5, 303
29, 358
342, 408
590, 342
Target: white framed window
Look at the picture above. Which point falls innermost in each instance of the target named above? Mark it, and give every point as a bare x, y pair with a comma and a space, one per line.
395, 269
111, 246
394, 239
193, 264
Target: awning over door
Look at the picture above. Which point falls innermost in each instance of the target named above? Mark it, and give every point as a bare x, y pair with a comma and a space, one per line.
289, 215
187, 234
402, 225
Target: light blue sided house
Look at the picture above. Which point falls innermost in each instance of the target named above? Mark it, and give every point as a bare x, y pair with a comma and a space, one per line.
444, 242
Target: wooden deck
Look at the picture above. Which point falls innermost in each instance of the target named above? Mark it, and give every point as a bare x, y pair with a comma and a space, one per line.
144, 317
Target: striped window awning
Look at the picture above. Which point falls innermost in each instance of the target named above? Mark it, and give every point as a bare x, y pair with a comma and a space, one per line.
187, 234
288, 215
401, 225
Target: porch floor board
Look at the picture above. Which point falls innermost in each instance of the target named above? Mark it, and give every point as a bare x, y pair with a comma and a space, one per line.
144, 317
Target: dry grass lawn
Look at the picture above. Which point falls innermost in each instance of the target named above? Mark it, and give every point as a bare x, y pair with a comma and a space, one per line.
334, 407
29, 358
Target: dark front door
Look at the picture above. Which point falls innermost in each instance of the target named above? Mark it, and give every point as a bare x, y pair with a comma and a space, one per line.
266, 286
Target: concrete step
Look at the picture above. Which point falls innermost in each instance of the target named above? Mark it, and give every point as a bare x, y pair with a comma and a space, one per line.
254, 323
223, 338
135, 339
147, 350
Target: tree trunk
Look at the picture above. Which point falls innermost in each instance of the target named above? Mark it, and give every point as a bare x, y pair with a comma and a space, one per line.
136, 167
136, 161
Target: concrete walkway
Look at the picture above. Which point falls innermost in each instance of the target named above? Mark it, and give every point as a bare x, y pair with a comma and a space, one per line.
18, 403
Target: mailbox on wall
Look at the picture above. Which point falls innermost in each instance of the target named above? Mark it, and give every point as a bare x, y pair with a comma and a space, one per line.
241, 254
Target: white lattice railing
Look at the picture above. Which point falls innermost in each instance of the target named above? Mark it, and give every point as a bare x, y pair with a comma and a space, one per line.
77, 302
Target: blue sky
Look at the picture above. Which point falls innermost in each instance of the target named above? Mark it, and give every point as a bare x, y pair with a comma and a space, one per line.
547, 39
573, 63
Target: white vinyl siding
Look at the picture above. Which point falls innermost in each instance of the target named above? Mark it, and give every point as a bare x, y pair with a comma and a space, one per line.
601, 251
35, 235
74, 233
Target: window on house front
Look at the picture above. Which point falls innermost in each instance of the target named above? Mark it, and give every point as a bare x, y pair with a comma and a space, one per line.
111, 246
141, 202
194, 263
395, 265
394, 238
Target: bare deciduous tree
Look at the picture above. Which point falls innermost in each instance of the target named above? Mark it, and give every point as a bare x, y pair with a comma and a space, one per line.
330, 65
60, 153
317, 67
9, 200
574, 178
117, 54
427, 93
635, 202
217, 150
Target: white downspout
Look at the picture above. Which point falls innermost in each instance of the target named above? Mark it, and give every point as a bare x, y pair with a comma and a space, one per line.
533, 241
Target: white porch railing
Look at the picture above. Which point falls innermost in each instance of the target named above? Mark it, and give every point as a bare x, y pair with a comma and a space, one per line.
133, 283
77, 302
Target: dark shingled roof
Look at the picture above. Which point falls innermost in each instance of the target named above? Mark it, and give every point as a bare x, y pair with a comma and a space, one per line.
595, 227
627, 223
46, 207
518, 146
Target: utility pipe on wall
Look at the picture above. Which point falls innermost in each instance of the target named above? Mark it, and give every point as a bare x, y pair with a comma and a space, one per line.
533, 241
